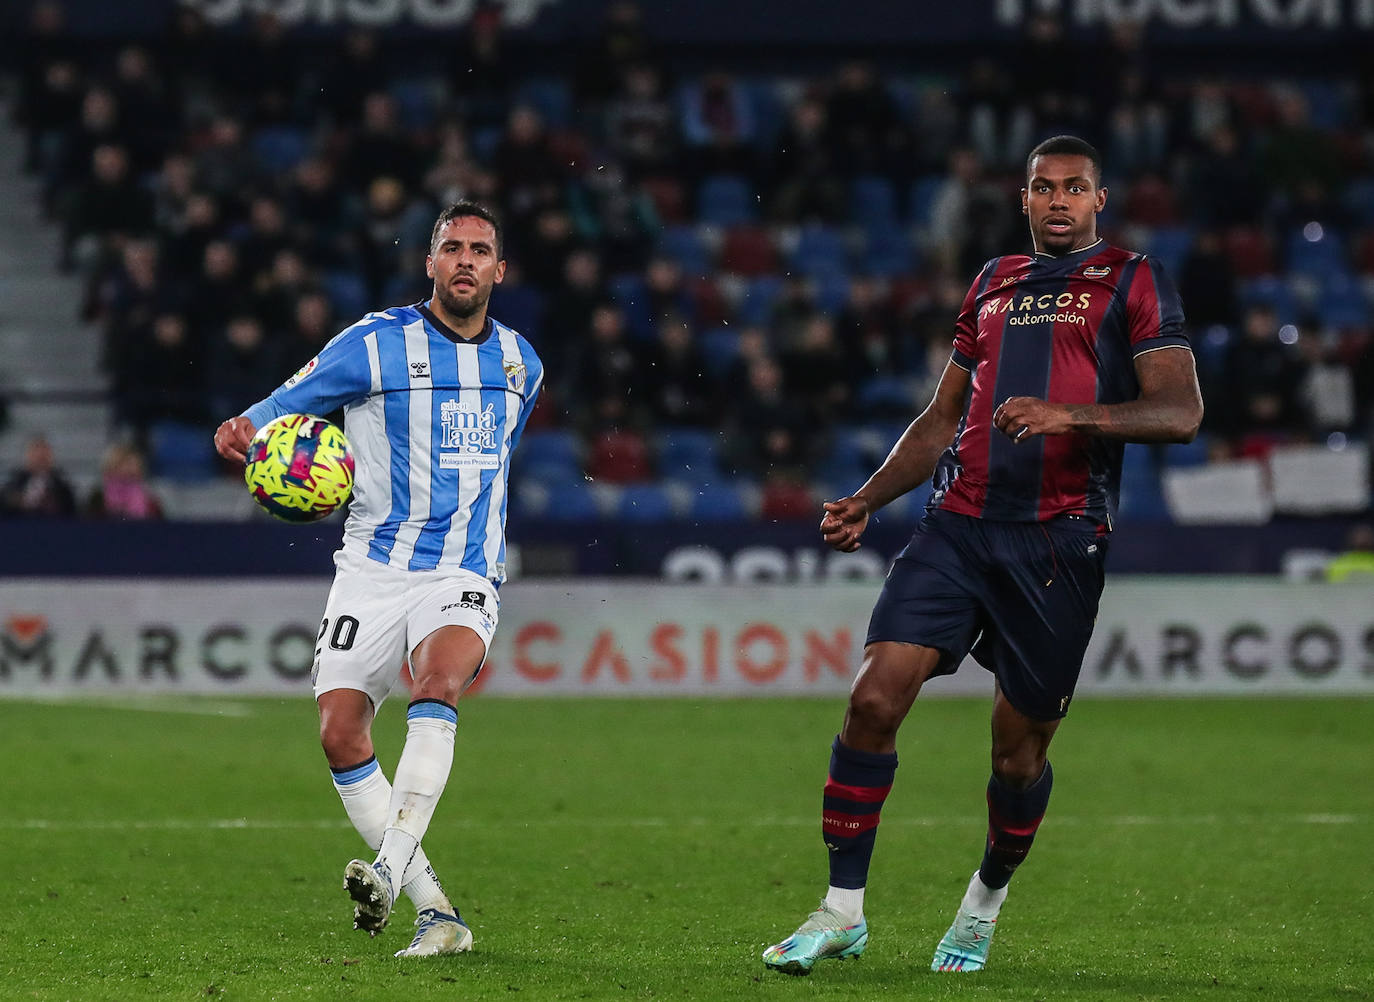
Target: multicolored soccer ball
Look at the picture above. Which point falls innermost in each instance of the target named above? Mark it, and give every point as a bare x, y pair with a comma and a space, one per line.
299, 467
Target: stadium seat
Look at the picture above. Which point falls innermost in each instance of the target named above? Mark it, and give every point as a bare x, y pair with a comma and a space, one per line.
1250, 251
632, 296
885, 395
619, 456
1273, 292
415, 102
688, 454
820, 250
668, 197
873, 202
1358, 200
887, 252
645, 503
726, 200
749, 251
719, 502
1341, 304
1194, 453
279, 148
181, 452
347, 292
1170, 246
1315, 258
1142, 497
552, 455
921, 198
550, 96
519, 307
755, 307
570, 502
684, 245
720, 345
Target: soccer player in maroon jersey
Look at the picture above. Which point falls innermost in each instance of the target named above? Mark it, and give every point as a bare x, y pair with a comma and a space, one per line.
1059, 359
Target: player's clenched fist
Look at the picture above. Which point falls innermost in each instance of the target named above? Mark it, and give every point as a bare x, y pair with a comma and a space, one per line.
1020, 417
232, 438
844, 522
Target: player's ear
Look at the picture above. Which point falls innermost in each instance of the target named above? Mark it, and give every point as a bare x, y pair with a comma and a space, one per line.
1101, 200
500, 272
429, 265
1024, 206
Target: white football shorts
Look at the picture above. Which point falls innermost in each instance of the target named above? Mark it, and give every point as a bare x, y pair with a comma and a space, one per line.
377, 614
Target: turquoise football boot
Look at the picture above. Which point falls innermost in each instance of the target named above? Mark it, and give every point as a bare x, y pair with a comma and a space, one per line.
823, 934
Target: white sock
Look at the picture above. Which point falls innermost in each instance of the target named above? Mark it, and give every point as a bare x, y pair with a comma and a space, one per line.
982, 900
421, 776
846, 902
366, 797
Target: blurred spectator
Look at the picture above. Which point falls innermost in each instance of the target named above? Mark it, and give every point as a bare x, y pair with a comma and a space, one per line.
381, 147
165, 377
525, 166
244, 365
805, 183
639, 123
675, 372
1207, 283
1326, 387
622, 43
109, 206
1356, 564
865, 130
38, 488
1261, 380
479, 66
123, 493
768, 432
815, 372
1223, 188
604, 380
717, 124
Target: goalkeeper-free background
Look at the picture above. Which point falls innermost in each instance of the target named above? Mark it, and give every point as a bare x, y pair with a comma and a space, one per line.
640, 849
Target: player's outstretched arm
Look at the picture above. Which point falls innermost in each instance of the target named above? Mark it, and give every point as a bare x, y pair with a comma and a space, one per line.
232, 438
910, 463
1169, 408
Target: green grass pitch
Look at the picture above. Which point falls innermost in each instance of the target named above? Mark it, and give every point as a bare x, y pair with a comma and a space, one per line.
618, 849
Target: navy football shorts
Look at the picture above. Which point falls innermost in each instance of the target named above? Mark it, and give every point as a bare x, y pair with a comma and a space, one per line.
1020, 596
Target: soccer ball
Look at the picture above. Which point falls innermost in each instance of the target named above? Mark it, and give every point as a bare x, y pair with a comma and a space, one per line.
299, 467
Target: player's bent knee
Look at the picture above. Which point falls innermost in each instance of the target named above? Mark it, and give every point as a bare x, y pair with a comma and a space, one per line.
1019, 769
872, 714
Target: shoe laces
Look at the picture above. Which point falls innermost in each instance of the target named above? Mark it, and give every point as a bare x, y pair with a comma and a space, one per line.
823, 919
970, 930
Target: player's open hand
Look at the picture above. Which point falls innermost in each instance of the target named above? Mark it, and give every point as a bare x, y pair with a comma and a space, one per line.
1021, 417
232, 438
844, 522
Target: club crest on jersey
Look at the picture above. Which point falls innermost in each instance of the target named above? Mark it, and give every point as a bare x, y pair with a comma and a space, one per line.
1096, 271
515, 375
303, 371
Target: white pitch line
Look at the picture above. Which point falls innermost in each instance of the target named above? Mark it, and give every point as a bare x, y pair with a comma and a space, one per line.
267, 824
201, 708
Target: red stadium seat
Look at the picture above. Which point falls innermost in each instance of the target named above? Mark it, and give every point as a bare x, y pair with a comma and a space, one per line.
749, 251
1250, 250
619, 456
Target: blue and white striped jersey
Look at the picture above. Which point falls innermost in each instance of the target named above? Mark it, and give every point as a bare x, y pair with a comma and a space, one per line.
432, 420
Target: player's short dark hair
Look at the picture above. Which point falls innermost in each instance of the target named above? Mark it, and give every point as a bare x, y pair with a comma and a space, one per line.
462, 210
1071, 146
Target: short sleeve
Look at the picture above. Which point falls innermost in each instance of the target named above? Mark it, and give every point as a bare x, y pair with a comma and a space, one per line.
1155, 310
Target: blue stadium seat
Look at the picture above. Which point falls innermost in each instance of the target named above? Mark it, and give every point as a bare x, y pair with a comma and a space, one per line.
1341, 303
279, 148
182, 452
684, 245
880, 395
1273, 292
873, 201
921, 198
551, 97
820, 250
719, 502
720, 345
1142, 496
631, 294
1194, 453
549, 455
1170, 245
756, 304
888, 252
571, 502
726, 200
645, 503
689, 454
415, 102
1315, 258
1358, 200
519, 307
347, 293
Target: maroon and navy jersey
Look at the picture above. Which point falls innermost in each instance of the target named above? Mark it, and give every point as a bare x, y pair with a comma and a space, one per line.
1067, 330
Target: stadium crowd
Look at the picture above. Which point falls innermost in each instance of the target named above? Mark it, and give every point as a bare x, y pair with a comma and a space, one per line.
730, 274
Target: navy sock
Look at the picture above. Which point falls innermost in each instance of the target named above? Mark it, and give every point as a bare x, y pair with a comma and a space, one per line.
854, 793
1013, 817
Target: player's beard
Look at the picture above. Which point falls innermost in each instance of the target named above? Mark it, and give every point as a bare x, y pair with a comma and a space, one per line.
463, 309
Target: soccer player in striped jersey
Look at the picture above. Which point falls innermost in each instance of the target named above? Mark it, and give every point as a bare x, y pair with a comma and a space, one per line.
435, 397
1060, 357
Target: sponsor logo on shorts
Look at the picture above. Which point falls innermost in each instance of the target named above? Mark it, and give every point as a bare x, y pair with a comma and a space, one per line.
475, 601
